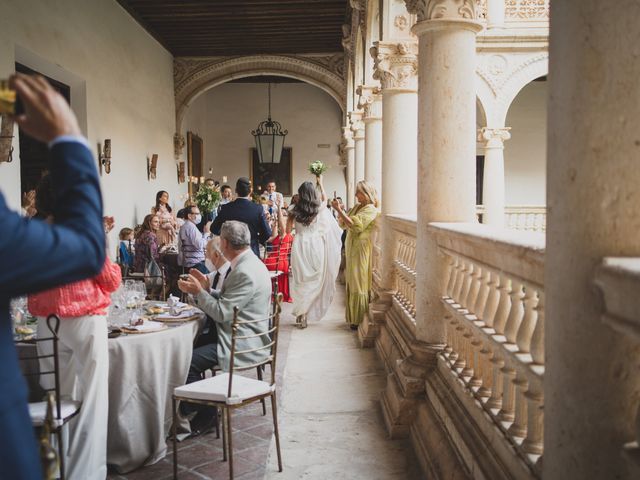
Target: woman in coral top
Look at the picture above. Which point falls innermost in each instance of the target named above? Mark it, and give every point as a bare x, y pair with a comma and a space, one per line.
278, 257
83, 356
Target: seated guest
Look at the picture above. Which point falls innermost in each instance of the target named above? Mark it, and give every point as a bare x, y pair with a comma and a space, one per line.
278, 257
125, 249
191, 242
244, 210
146, 243
216, 263
247, 287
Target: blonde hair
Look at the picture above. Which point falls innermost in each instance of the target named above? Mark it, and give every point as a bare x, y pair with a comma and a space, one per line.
369, 191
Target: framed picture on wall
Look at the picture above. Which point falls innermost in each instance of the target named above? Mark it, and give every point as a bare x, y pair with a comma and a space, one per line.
281, 173
195, 158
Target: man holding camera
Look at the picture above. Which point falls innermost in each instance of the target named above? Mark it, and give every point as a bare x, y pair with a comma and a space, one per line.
36, 255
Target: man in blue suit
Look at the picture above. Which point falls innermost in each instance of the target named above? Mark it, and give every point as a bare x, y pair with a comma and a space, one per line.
36, 256
244, 210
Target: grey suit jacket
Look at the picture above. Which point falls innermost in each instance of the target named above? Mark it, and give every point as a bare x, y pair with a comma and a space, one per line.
247, 287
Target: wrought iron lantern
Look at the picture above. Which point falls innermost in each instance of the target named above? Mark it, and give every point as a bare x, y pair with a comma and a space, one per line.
269, 138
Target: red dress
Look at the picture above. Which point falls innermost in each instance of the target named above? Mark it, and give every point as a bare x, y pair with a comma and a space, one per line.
280, 247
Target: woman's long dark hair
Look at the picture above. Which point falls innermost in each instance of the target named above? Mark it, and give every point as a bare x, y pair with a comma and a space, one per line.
146, 226
308, 205
158, 195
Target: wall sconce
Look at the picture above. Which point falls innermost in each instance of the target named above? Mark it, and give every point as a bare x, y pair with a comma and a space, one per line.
224, 179
104, 156
6, 138
180, 168
152, 166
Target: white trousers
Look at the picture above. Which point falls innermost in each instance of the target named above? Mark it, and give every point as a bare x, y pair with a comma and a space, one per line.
83, 354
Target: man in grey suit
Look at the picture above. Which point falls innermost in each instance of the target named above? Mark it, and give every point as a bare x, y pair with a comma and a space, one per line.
247, 287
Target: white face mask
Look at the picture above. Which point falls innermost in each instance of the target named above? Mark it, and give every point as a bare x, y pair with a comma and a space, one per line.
209, 264
198, 219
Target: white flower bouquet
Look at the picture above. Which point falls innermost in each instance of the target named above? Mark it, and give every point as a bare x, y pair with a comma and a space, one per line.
207, 198
317, 168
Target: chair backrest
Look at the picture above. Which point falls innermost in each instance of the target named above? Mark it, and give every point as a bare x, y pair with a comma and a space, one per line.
272, 323
53, 324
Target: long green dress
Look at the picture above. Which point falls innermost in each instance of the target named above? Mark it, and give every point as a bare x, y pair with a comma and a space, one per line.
358, 249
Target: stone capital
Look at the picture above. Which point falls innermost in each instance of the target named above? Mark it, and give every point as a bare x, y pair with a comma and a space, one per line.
493, 137
370, 101
396, 65
442, 9
357, 125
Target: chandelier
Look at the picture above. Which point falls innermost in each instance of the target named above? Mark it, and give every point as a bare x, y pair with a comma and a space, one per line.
269, 138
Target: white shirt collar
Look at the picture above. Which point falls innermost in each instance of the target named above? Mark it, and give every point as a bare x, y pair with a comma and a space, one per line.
235, 261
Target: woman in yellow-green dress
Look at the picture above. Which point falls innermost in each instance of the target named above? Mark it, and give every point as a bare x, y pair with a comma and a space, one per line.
359, 223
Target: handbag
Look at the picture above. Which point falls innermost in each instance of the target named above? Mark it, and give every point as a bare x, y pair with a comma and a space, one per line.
152, 274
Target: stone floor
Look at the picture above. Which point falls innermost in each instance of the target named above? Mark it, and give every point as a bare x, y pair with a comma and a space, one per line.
330, 421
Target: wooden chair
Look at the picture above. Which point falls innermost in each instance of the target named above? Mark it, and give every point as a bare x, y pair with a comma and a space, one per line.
230, 391
48, 366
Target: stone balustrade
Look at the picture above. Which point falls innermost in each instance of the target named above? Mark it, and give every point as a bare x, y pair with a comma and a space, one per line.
404, 265
618, 278
493, 296
526, 217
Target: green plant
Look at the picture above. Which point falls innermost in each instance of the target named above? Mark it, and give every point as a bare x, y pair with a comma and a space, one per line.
207, 198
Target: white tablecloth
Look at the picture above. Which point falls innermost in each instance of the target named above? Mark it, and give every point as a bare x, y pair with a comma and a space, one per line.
143, 371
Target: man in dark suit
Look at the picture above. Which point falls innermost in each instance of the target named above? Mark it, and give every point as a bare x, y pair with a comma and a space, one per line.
244, 210
36, 255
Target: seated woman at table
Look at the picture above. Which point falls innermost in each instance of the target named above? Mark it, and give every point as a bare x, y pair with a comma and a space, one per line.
83, 354
167, 231
146, 246
277, 258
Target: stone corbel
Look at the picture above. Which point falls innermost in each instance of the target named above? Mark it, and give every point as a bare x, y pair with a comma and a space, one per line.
493, 137
357, 125
358, 4
346, 39
370, 101
396, 65
442, 9
345, 145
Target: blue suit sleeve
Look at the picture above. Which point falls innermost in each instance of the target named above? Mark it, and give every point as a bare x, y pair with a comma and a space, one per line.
36, 255
218, 221
264, 233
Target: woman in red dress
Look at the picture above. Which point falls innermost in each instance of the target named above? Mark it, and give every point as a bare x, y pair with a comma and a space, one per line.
277, 258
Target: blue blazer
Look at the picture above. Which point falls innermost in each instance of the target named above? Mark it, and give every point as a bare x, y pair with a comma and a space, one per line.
35, 256
248, 212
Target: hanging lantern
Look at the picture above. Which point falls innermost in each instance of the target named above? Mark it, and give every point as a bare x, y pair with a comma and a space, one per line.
269, 138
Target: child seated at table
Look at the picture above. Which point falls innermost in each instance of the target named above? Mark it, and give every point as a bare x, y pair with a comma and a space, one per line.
125, 249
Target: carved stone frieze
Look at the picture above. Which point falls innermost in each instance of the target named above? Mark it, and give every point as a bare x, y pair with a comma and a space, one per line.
370, 101
396, 64
442, 9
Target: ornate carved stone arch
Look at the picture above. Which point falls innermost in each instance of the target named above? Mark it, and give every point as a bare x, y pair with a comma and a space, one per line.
526, 72
194, 76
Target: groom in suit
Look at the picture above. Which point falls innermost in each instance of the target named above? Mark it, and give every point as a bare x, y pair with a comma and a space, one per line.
247, 287
244, 210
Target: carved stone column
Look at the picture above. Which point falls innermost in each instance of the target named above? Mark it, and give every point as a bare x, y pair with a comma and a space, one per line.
357, 127
370, 101
492, 139
347, 154
446, 140
396, 67
591, 381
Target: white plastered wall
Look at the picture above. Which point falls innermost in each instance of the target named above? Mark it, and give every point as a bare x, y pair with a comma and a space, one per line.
525, 153
225, 115
122, 89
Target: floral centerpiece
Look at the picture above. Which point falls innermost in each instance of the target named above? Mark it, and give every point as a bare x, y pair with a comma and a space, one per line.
317, 168
207, 198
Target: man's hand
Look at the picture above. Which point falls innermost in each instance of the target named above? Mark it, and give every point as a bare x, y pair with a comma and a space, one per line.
47, 114
335, 203
201, 278
191, 285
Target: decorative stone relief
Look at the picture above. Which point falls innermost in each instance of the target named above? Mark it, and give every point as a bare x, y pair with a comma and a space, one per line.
396, 64
346, 39
370, 101
178, 145
497, 70
527, 9
494, 137
345, 145
437, 9
357, 125
358, 4
401, 22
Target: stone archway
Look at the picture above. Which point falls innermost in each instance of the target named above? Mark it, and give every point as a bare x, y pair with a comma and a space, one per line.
194, 76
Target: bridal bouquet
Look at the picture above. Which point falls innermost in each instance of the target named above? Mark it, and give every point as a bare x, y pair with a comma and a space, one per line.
207, 198
317, 168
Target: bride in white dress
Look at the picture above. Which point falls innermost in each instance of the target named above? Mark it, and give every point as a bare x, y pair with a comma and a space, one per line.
315, 254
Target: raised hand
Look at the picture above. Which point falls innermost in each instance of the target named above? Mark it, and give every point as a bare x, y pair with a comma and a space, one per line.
191, 285
201, 278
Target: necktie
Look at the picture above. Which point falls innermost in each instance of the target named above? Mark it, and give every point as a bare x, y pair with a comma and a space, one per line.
216, 278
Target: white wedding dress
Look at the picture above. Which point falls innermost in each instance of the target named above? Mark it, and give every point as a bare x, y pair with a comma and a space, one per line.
315, 261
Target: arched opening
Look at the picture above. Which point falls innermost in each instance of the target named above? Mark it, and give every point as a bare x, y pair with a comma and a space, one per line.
526, 153
224, 116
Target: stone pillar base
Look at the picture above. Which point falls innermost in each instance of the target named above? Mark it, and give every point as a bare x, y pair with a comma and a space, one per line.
369, 329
